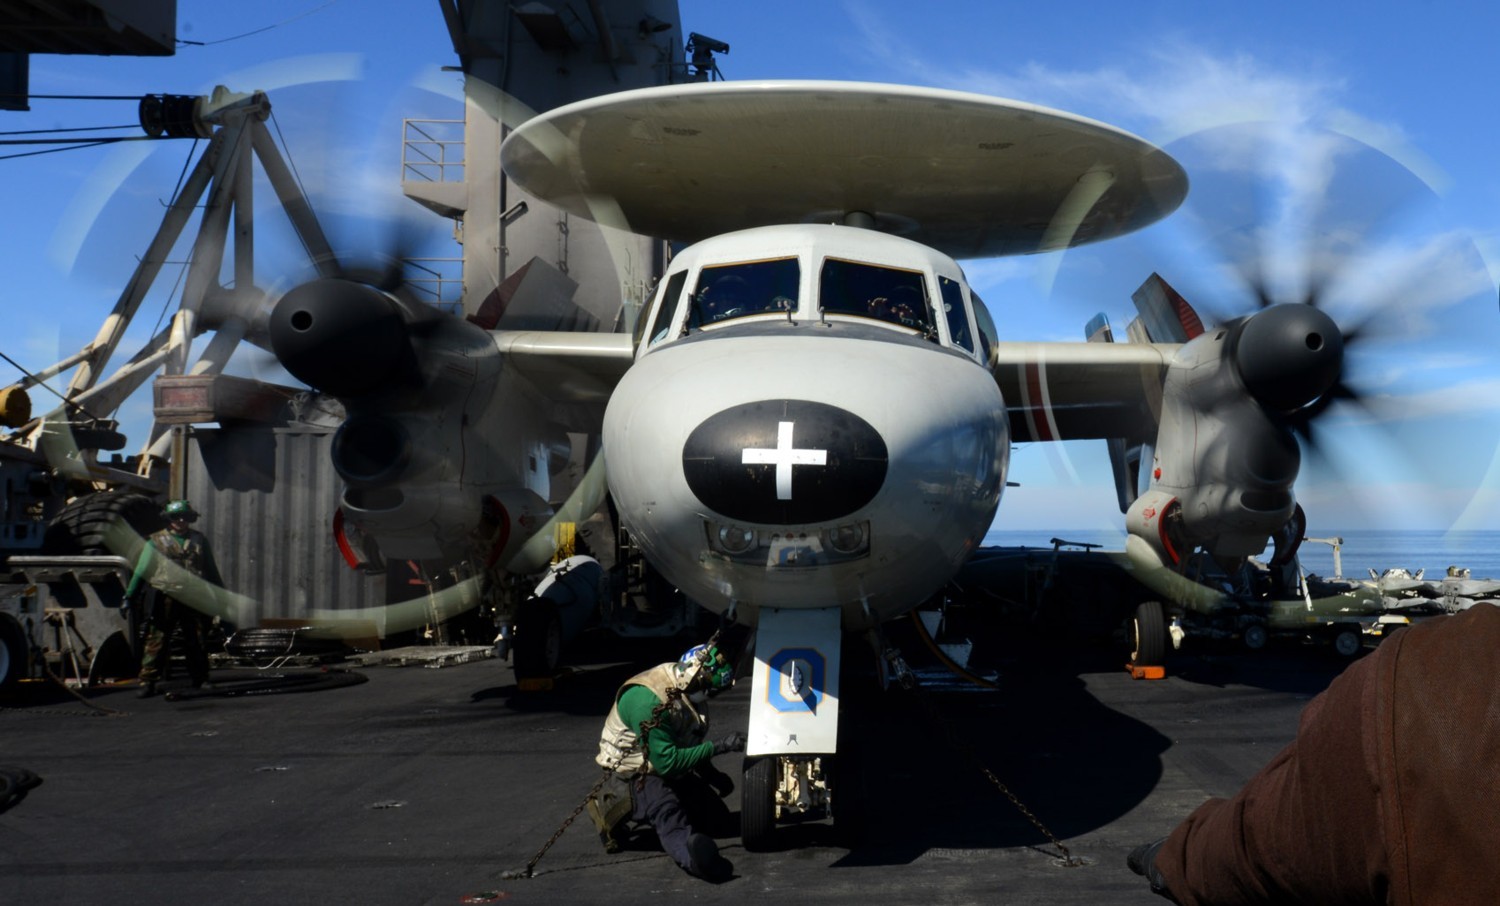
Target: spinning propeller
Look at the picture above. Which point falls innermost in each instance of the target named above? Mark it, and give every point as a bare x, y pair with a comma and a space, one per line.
1321, 205
1324, 261
350, 333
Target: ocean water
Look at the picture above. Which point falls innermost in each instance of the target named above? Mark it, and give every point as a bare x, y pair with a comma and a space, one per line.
1361, 550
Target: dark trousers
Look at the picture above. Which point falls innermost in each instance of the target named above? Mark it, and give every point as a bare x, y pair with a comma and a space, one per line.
678, 808
171, 617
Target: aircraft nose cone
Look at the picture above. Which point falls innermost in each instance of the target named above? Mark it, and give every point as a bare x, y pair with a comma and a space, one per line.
1288, 355
340, 336
785, 462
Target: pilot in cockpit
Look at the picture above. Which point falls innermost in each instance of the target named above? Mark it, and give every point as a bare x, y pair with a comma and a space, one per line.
879, 308
724, 298
901, 305
906, 307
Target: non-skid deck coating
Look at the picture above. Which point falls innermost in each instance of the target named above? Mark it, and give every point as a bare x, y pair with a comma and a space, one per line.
424, 785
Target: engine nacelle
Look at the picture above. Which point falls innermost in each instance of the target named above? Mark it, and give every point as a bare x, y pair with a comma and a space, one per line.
1225, 457
430, 466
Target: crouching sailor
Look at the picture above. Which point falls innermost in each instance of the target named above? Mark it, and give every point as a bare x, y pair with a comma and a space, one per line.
654, 743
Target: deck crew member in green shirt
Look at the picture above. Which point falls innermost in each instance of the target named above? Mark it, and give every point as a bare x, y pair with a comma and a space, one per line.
671, 781
189, 549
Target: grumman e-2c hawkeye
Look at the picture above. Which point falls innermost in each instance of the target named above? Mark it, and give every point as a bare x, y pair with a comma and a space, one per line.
808, 431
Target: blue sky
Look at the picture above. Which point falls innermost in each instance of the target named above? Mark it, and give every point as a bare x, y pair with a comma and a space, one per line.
1351, 106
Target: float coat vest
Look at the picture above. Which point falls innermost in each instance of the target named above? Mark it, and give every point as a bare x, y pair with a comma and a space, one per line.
189, 551
620, 746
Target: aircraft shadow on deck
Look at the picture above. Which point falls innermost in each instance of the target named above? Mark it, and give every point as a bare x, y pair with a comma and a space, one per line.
1075, 763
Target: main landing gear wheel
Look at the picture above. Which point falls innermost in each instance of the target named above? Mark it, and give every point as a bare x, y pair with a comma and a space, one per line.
13, 646
1148, 635
538, 641
758, 804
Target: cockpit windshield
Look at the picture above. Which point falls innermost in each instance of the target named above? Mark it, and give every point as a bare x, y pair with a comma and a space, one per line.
953, 310
989, 337
728, 291
887, 294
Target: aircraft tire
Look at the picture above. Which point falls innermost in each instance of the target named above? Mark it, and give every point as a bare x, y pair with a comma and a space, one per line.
537, 646
1148, 635
13, 647
1346, 642
758, 804
104, 522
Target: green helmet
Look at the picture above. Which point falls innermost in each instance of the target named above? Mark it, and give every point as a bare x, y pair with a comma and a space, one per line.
712, 666
179, 509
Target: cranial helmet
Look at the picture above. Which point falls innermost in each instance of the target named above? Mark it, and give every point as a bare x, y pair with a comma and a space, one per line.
707, 662
180, 509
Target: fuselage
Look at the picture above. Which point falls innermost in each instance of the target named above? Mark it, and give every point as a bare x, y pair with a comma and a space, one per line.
810, 422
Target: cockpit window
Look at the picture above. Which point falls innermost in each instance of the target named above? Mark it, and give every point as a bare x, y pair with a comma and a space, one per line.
638, 332
729, 291
871, 291
988, 335
955, 313
666, 313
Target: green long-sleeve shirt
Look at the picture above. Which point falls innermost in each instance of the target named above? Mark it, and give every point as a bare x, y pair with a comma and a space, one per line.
207, 568
667, 755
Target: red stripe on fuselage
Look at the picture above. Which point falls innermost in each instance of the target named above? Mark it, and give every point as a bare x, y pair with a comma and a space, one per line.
1036, 411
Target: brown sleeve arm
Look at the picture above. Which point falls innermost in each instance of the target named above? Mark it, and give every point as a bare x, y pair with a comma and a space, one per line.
1306, 828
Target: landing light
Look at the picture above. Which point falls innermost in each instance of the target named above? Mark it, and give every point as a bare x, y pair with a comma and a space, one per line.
782, 549
848, 539
735, 540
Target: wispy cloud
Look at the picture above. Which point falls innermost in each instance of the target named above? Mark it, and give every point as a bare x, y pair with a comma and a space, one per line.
1293, 190
1173, 88
1469, 398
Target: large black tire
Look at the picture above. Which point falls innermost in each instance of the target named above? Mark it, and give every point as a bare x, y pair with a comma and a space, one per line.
13, 647
537, 646
1148, 635
105, 522
758, 804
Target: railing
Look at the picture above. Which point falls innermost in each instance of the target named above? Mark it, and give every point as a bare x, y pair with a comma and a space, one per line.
432, 150
437, 281
687, 71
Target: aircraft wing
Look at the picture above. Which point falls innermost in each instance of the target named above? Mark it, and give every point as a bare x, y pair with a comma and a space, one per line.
575, 371
569, 367
1076, 391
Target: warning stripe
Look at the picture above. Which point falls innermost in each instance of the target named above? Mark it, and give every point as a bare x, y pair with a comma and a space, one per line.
1192, 325
1037, 402
341, 538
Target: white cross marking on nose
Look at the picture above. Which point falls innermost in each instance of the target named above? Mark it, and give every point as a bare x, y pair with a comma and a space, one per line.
783, 458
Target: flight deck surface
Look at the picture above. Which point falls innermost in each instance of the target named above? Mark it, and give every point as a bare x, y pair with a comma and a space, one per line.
425, 785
